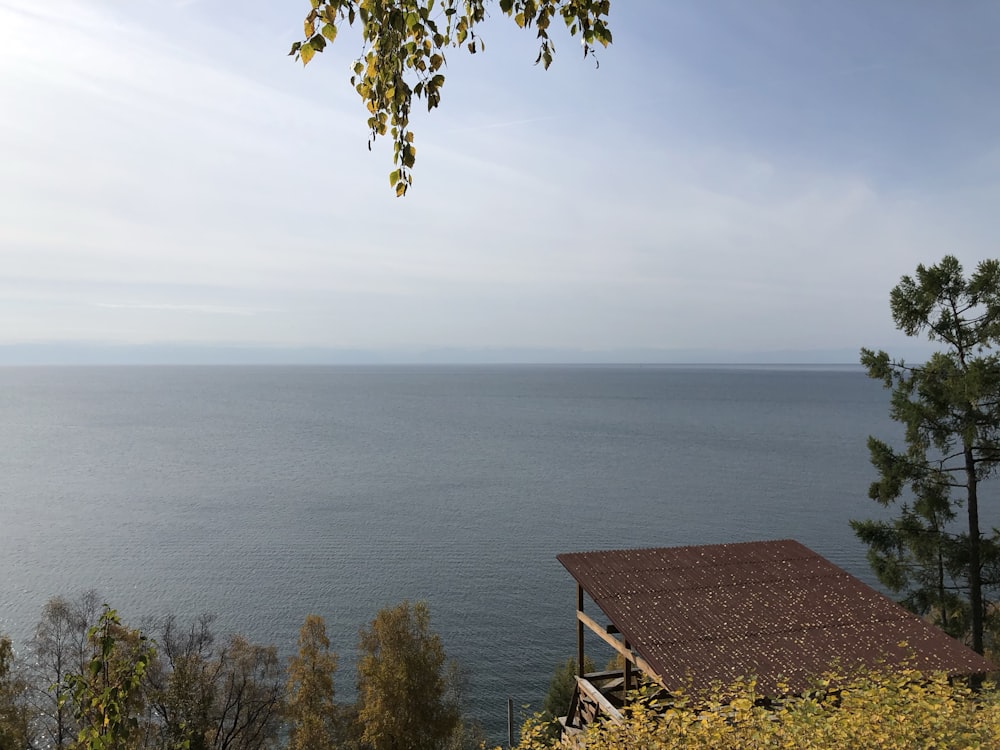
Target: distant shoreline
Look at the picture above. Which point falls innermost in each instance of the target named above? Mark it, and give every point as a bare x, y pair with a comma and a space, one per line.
73, 354
403, 365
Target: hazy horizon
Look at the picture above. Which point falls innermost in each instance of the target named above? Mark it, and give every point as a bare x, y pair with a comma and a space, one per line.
83, 353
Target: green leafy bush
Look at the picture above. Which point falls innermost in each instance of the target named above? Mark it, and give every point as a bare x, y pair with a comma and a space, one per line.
898, 710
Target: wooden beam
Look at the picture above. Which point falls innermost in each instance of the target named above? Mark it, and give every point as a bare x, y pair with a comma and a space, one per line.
579, 632
595, 695
604, 675
617, 645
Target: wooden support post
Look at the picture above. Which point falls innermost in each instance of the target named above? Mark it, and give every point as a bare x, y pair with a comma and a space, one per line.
510, 723
628, 670
579, 631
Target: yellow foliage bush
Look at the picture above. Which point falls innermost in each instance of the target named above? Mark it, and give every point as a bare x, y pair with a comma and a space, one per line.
892, 710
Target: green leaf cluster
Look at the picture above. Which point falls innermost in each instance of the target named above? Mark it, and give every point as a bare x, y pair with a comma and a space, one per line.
107, 696
405, 45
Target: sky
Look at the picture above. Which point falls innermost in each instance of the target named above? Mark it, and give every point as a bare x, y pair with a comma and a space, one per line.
733, 176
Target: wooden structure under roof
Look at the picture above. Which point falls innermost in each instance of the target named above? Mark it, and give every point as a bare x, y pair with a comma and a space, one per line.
692, 616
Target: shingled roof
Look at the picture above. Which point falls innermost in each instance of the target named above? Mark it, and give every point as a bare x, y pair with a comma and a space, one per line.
769, 609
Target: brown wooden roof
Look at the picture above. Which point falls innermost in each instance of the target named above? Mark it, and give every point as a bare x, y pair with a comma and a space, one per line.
768, 609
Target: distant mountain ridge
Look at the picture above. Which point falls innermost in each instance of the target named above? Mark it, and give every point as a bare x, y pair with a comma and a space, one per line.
60, 353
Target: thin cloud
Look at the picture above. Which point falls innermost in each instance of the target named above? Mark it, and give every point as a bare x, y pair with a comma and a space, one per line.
497, 125
202, 309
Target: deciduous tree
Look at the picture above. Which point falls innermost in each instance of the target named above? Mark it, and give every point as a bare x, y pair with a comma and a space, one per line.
15, 716
249, 697
58, 648
935, 551
205, 695
181, 685
312, 712
405, 44
107, 696
403, 692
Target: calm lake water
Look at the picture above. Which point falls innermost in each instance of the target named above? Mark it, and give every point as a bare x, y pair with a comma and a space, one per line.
264, 494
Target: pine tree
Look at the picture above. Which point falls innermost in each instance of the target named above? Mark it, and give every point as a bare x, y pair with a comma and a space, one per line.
935, 551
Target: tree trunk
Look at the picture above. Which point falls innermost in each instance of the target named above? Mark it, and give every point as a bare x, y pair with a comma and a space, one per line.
942, 602
975, 579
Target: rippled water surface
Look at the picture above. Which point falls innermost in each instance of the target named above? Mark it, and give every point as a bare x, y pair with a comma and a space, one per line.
264, 494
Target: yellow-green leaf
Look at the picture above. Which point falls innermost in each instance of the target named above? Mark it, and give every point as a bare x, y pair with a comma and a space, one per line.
329, 31
307, 52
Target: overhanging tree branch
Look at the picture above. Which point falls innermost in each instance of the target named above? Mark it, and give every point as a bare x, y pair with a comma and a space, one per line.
405, 43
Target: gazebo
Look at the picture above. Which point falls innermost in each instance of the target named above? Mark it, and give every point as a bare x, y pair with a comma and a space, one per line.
688, 617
